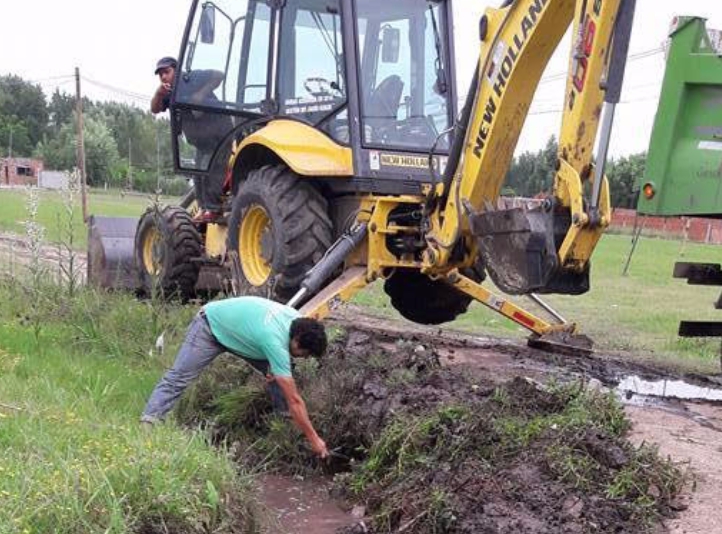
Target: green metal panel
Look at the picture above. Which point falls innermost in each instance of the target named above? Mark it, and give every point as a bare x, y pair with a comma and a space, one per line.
684, 163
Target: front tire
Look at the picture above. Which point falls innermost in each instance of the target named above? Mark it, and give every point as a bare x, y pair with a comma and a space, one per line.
166, 245
279, 227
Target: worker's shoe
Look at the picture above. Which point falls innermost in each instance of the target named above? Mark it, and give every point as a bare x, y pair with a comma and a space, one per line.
148, 421
207, 216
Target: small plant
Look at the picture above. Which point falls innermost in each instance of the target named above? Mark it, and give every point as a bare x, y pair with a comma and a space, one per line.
68, 264
37, 271
571, 466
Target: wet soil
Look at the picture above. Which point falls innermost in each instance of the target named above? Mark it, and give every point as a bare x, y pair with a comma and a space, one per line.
380, 373
681, 415
297, 505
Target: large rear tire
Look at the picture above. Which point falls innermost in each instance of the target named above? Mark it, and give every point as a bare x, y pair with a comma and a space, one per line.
166, 245
422, 300
279, 227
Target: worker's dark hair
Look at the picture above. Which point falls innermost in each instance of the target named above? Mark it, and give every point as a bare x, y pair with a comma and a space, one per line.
310, 335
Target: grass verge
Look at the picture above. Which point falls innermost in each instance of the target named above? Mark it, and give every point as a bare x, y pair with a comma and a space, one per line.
51, 209
73, 457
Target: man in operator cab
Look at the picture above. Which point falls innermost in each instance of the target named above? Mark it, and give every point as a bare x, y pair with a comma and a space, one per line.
203, 130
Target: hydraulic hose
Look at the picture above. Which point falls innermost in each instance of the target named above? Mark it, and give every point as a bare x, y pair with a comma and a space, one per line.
333, 258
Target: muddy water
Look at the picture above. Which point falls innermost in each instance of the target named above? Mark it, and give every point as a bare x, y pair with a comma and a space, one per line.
301, 506
667, 389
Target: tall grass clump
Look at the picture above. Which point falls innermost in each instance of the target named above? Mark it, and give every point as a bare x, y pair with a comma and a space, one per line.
37, 271
69, 274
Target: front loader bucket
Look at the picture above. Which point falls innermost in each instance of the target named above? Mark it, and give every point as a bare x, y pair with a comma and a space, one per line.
111, 252
518, 244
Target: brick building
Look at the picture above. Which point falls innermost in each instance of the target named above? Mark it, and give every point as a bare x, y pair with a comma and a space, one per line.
20, 171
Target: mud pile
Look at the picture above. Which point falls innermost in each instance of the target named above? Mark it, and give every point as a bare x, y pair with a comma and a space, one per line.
427, 448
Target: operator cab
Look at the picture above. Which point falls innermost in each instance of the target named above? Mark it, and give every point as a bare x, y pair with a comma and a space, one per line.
375, 75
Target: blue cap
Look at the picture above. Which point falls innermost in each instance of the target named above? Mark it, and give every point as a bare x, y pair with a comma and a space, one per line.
165, 63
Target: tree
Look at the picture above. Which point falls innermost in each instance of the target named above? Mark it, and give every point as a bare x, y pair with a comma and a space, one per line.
58, 151
624, 173
139, 137
61, 111
533, 173
14, 136
101, 153
23, 111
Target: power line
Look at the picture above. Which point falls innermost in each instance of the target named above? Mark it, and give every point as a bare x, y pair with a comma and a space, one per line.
622, 102
563, 75
51, 78
125, 92
632, 57
625, 89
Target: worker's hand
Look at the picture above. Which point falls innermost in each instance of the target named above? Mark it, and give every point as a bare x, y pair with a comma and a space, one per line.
164, 89
319, 447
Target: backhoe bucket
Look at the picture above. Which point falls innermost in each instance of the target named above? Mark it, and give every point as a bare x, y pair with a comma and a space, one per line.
111, 252
517, 245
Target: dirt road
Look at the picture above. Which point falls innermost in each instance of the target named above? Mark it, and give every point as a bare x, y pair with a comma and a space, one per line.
16, 253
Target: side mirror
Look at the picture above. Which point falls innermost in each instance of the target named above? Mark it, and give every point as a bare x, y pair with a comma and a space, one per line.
390, 44
208, 24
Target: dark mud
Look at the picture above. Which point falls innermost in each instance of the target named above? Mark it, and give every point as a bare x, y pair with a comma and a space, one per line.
426, 447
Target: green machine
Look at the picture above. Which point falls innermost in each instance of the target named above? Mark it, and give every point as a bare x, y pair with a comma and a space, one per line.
684, 163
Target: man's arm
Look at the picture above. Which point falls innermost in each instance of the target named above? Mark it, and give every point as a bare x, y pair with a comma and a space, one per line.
156, 104
211, 80
298, 411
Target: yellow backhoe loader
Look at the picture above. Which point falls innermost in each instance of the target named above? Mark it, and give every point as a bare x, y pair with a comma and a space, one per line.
346, 160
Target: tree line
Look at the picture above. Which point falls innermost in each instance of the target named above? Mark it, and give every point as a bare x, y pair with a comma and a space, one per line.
533, 172
125, 147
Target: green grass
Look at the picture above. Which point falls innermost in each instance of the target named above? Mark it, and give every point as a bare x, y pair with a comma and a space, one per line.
73, 457
51, 206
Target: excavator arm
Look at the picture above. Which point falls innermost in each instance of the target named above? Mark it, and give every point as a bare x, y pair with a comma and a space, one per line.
541, 246
528, 246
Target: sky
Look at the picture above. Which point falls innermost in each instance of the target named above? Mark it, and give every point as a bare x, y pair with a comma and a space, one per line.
116, 44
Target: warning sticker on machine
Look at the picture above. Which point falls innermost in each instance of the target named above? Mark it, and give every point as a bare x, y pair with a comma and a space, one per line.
710, 145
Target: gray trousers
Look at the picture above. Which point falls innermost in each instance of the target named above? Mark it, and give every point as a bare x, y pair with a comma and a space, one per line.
209, 187
198, 350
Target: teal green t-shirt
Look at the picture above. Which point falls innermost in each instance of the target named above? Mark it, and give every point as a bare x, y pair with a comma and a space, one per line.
254, 327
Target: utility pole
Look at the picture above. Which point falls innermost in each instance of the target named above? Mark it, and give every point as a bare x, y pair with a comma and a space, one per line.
130, 163
80, 144
10, 145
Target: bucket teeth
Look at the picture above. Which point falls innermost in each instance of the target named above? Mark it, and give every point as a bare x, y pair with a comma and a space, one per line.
562, 343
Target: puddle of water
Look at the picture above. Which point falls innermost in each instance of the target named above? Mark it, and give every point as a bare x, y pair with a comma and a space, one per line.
666, 389
302, 506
